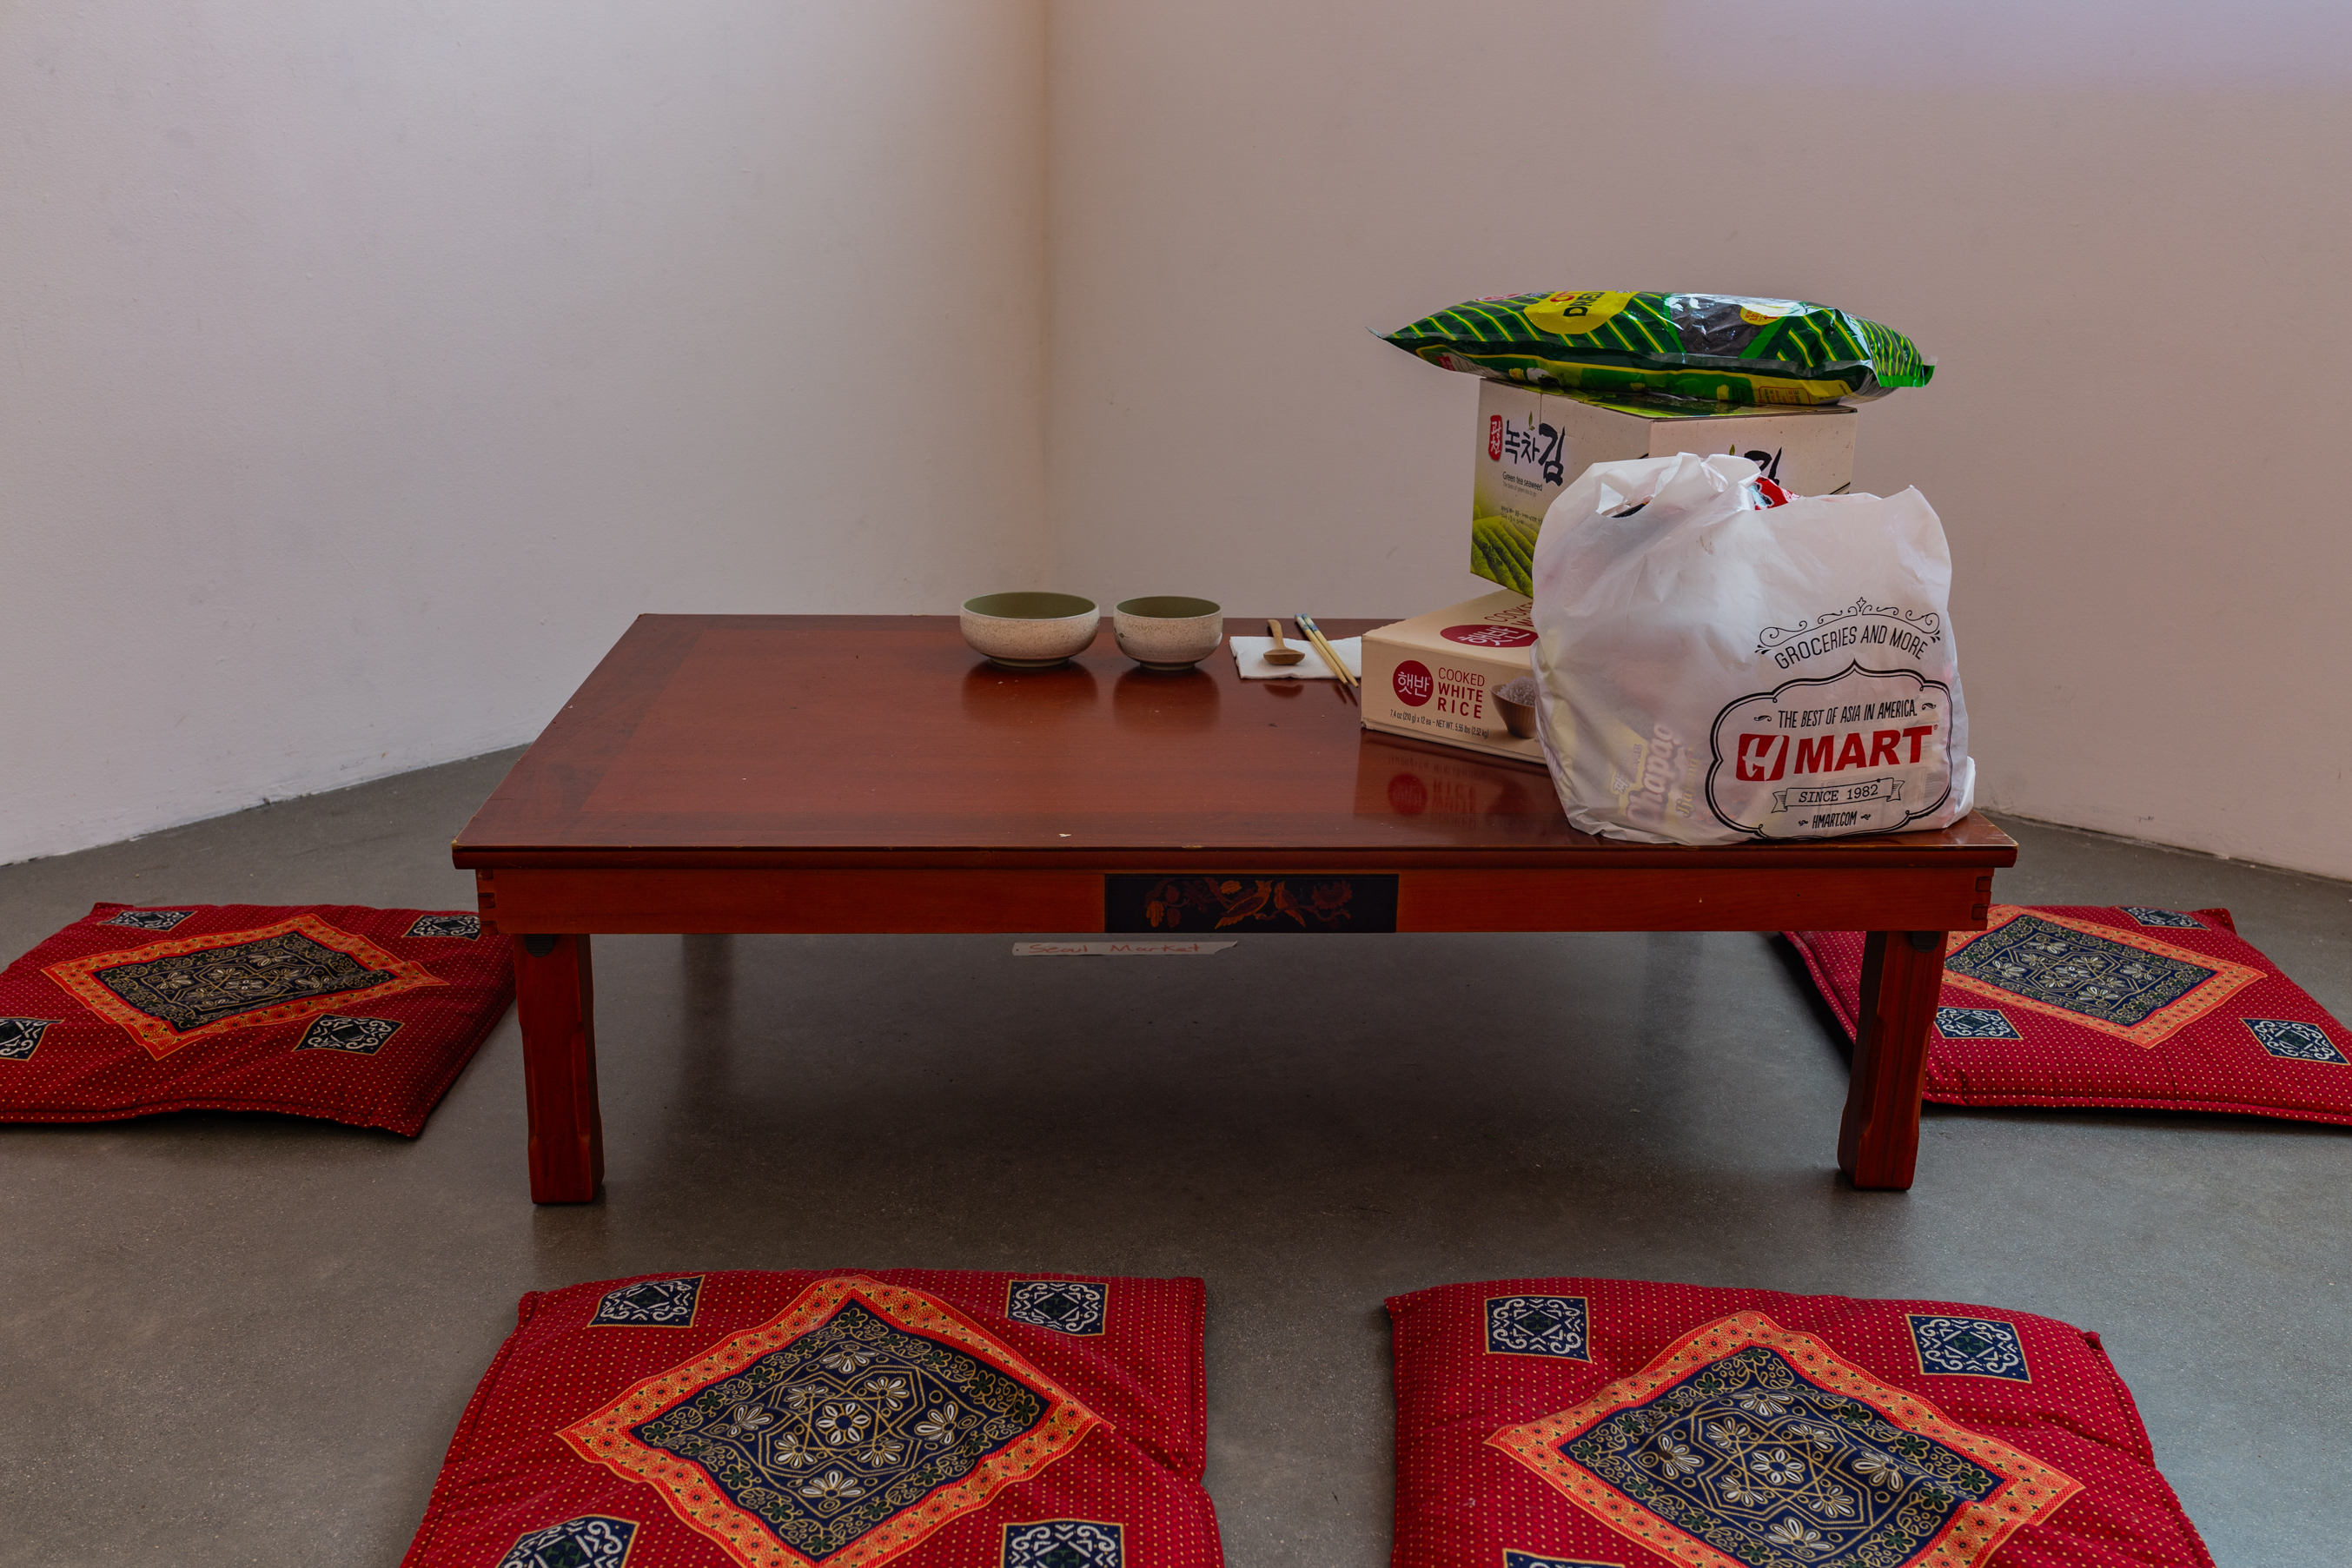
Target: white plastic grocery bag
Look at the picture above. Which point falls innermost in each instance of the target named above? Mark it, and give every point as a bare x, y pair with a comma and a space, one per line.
1716, 669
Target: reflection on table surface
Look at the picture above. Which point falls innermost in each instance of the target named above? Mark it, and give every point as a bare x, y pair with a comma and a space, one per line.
1405, 779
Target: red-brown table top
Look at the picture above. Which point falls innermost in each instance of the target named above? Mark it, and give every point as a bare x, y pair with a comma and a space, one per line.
783, 739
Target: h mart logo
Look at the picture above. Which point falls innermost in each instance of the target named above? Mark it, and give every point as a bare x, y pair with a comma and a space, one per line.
1777, 755
1762, 758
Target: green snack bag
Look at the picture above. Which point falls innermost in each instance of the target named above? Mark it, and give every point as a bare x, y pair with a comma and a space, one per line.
1694, 347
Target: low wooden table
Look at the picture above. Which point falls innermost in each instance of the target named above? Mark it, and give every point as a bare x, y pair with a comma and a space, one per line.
728, 773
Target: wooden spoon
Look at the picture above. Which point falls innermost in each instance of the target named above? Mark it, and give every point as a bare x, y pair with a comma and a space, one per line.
1278, 655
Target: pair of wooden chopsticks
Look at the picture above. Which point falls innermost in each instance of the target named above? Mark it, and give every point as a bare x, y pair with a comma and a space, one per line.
1314, 634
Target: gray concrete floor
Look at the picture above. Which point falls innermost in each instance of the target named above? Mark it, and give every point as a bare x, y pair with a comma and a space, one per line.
232, 1339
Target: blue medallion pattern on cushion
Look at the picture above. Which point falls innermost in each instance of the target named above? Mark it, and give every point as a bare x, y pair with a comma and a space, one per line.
149, 919
1537, 1325
2077, 972
1970, 1347
463, 927
361, 1037
2290, 1038
650, 1304
592, 1541
1771, 1468
19, 1037
1531, 1560
1974, 1023
1064, 1543
1067, 1306
2171, 918
190, 990
845, 1429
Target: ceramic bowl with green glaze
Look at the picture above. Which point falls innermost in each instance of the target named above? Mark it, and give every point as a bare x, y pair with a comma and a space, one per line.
1031, 629
1168, 631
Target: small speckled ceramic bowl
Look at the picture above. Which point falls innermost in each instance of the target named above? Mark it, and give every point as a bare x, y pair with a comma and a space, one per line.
1031, 631
1168, 631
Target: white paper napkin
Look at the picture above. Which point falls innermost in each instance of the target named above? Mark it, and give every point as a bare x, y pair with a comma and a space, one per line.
1249, 654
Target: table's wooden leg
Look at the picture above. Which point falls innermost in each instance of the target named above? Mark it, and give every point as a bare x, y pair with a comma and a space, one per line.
555, 1001
1902, 976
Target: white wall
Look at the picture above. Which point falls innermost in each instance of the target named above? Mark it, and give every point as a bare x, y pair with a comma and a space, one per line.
2123, 229
365, 368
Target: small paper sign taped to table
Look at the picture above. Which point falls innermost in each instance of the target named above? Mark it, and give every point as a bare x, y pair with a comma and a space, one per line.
1116, 949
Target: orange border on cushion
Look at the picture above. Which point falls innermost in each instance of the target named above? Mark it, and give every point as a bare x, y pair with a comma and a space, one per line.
2029, 1488
78, 977
2229, 978
604, 1439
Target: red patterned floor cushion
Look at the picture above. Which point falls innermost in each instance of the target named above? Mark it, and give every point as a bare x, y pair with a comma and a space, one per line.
1574, 1423
751, 1419
2075, 1005
353, 1015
